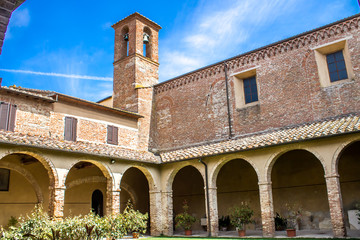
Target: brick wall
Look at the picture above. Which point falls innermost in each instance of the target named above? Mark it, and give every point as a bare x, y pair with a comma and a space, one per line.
191, 109
36, 117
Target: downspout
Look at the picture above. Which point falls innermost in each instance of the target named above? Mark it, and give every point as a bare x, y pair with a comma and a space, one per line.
227, 100
207, 196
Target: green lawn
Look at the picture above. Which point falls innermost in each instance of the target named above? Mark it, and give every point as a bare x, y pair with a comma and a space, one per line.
250, 238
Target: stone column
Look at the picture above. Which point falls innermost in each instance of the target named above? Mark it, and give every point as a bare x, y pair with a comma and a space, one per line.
214, 218
115, 201
167, 213
155, 216
267, 209
115, 193
58, 200
336, 205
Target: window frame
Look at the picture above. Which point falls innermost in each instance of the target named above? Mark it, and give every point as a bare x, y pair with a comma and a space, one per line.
70, 129
239, 89
321, 53
7, 116
112, 135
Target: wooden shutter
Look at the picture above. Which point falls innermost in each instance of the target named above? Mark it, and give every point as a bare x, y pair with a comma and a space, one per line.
11, 118
74, 127
115, 135
4, 113
112, 135
109, 134
70, 129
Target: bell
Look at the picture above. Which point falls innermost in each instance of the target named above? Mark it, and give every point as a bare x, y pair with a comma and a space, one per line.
146, 38
126, 37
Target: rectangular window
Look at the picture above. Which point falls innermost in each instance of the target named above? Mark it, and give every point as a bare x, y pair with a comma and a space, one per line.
112, 135
70, 129
336, 66
7, 116
250, 90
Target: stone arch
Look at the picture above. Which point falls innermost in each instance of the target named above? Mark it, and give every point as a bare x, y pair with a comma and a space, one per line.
171, 176
150, 178
335, 161
272, 159
222, 161
107, 174
51, 172
27, 175
94, 179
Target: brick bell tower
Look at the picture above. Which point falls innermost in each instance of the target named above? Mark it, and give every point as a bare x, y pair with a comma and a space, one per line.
136, 68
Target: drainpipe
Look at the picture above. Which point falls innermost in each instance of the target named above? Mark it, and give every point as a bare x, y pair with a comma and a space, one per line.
207, 196
227, 100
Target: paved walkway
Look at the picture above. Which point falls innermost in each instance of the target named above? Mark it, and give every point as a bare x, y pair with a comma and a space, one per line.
278, 234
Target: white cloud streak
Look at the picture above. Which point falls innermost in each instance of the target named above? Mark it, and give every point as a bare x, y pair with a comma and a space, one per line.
215, 31
73, 76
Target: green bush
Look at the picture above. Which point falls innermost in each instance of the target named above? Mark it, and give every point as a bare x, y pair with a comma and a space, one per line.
38, 225
185, 220
240, 215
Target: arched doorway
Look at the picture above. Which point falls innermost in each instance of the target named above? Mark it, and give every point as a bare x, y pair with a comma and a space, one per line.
24, 183
135, 188
349, 171
97, 203
85, 181
188, 185
237, 183
299, 188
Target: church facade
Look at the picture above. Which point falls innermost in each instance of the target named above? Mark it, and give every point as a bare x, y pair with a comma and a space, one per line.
277, 128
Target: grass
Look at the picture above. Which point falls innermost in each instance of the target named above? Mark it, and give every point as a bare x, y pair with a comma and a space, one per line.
221, 238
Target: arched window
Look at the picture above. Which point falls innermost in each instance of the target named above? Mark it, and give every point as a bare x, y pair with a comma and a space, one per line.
97, 203
147, 42
124, 39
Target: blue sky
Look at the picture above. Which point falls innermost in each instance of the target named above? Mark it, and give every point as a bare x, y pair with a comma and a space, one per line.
67, 46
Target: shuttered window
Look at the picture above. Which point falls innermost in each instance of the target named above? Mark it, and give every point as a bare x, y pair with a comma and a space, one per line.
112, 135
70, 129
7, 116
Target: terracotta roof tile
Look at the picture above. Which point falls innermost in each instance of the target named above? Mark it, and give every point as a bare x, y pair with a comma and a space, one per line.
324, 128
78, 146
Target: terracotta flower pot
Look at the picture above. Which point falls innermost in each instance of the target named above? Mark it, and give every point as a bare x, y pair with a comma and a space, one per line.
135, 235
291, 232
241, 233
188, 232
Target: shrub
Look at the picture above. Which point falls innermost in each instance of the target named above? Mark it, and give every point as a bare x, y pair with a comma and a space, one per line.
240, 215
134, 221
185, 220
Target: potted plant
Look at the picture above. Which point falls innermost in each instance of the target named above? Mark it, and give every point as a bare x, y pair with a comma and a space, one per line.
240, 216
224, 223
185, 220
135, 221
293, 218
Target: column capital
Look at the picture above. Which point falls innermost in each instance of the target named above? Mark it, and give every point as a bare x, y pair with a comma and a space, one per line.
264, 183
60, 188
332, 175
155, 191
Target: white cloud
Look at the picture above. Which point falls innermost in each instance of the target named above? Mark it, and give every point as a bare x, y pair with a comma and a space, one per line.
51, 74
20, 18
215, 31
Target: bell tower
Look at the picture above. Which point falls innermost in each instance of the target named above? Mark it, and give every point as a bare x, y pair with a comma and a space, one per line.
136, 68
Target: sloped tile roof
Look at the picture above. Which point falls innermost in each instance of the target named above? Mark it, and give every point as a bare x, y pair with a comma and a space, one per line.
25, 92
325, 128
78, 147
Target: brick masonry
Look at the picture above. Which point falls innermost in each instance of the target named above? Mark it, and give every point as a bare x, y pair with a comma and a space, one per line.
191, 109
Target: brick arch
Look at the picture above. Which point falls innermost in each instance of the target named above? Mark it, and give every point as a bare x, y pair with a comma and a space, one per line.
272, 159
338, 153
28, 176
222, 161
171, 176
109, 180
52, 174
148, 175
